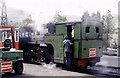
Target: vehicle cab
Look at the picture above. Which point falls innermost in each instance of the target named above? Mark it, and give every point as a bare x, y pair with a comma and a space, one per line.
11, 58
9, 32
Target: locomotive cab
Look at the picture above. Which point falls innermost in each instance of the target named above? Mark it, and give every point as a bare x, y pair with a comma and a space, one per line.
86, 37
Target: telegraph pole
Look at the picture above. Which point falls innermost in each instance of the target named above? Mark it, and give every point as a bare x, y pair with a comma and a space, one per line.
4, 20
119, 29
118, 33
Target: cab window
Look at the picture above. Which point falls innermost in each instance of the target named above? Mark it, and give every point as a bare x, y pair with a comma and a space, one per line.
6, 35
97, 29
87, 30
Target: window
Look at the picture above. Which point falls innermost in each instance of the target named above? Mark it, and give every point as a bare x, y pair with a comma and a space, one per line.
17, 35
87, 29
97, 29
6, 35
0, 35
9, 34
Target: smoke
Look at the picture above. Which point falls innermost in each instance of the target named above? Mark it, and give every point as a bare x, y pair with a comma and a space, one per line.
41, 19
91, 20
49, 66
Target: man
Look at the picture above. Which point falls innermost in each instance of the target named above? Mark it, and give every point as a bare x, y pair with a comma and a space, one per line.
68, 51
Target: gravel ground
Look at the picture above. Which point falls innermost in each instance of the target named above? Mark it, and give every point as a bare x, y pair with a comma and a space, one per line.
48, 70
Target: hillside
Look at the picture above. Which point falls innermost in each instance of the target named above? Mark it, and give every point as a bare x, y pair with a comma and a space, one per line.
15, 15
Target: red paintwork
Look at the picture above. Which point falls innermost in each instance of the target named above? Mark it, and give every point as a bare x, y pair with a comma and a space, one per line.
6, 67
7, 26
84, 63
17, 45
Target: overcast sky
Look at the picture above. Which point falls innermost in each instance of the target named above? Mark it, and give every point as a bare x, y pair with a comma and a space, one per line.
45, 9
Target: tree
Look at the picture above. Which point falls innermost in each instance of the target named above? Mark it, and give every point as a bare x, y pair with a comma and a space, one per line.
26, 22
59, 18
108, 28
86, 16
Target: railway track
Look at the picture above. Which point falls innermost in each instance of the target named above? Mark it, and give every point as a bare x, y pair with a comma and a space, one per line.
103, 70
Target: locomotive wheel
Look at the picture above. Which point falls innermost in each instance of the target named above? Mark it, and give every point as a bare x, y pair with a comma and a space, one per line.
82, 69
42, 59
18, 68
47, 61
48, 54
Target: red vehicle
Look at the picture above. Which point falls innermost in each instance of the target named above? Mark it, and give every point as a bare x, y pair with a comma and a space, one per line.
10, 57
9, 32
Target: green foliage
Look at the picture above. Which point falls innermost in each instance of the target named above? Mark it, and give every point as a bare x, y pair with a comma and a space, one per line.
59, 18
115, 46
108, 28
25, 22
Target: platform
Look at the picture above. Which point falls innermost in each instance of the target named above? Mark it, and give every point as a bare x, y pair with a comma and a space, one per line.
109, 61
